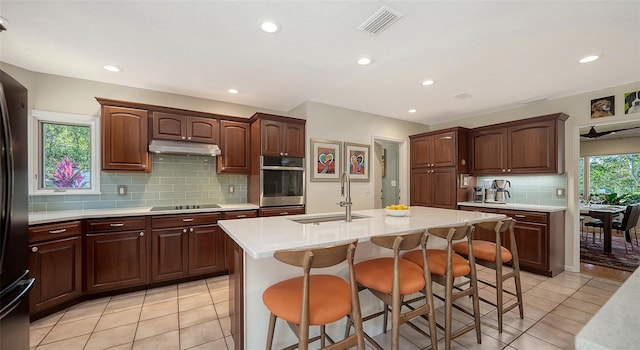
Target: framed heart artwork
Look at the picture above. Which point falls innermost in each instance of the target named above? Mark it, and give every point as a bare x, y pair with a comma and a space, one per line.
325, 160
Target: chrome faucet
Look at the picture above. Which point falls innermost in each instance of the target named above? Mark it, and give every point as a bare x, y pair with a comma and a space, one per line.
344, 179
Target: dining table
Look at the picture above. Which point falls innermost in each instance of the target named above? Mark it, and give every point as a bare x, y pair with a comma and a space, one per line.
604, 213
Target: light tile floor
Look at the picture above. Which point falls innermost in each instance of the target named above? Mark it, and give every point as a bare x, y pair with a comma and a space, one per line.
195, 315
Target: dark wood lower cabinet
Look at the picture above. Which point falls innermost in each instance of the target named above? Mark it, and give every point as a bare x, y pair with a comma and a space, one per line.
206, 249
57, 267
116, 260
169, 254
539, 237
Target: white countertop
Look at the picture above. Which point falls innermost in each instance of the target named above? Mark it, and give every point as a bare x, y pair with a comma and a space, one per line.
64, 215
515, 206
261, 237
615, 325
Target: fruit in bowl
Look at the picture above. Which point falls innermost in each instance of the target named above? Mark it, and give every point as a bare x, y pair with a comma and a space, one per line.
396, 210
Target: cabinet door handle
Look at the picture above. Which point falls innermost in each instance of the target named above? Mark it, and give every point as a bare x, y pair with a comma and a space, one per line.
284, 213
508, 170
190, 229
55, 232
183, 137
120, 224
189, 138
187, 220
241, 216
141, 234
184, 230
286, 153
520, 216
34, 249
503, 170
143, 166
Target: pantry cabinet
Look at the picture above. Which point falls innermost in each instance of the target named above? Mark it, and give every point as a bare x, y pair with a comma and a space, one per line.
437, 160
539, 238
234, 145
125, 138
116, 253
55, 260
524, 147
177, 127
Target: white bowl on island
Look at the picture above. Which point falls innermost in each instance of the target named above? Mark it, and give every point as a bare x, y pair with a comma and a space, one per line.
396, 212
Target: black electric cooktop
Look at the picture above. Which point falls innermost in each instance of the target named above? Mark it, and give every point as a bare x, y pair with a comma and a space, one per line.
185, 207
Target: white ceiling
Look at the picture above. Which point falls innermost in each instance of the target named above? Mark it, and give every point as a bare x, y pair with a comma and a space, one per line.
502, 53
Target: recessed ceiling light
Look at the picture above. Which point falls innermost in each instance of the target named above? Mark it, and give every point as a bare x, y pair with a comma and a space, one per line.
589, 59
428, 82
363, 61
111, 68
270, 26
233, 91
412, 110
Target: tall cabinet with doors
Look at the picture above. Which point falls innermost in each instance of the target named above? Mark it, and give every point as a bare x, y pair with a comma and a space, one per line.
437, 160
277, 136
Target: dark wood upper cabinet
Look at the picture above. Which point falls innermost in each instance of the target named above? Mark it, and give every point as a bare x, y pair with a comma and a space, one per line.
529, 146
434, 150
437, 158
234, 144
169, 126
125, 139
280, 136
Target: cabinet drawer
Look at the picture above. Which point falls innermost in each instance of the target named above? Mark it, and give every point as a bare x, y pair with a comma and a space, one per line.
116, 224
241, 214
54, 231
526, 216
168, 221
280, 211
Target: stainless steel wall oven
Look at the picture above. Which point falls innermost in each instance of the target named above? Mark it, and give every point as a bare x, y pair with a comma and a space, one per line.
281, 181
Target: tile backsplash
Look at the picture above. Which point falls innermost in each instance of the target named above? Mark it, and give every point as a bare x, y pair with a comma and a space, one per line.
539, 190
174, 180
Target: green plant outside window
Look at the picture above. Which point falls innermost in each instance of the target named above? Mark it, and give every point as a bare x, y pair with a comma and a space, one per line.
66, 156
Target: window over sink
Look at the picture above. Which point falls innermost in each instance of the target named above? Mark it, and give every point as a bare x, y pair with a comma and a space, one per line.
63, 153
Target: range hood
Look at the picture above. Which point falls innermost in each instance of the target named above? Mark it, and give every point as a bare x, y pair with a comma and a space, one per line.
183, 147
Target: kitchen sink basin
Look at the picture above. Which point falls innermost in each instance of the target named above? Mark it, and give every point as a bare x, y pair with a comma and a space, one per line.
326, 218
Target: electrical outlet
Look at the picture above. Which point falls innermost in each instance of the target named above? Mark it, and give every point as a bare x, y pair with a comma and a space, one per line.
231, 189
122, 190
560, 192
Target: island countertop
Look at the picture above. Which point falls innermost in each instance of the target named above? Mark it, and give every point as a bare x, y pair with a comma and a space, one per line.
614, 325
261, 237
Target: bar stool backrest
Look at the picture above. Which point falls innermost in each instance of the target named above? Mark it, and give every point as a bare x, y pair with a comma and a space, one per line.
320, 257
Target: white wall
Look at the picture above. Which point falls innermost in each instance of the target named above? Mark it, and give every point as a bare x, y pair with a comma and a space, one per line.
578, 108
55, 93
335, 123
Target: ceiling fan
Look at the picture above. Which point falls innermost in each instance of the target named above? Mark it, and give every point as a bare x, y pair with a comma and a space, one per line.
593, 134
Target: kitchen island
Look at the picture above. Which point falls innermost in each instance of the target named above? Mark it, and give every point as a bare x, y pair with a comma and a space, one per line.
254, 268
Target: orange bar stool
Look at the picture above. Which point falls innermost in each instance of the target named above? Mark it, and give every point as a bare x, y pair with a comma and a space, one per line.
445, 266
494, 255
318, 299
390, 279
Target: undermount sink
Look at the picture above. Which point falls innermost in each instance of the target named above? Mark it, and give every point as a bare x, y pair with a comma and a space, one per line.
326, 218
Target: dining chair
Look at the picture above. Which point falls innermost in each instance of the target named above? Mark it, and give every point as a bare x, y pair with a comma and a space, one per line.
316, 299
456, 274
629, 221
391, 279
595, 223
494, 256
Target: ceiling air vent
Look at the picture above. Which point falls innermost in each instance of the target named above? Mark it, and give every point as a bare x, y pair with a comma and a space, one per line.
380, 20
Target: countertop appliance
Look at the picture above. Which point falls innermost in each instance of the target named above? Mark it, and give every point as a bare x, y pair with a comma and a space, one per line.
478, 194
15, 282
501, 193
281, 181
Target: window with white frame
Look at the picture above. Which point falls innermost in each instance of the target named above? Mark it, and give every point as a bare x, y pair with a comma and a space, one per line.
64, 154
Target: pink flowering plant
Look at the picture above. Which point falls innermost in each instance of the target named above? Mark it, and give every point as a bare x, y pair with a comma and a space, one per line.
67, 175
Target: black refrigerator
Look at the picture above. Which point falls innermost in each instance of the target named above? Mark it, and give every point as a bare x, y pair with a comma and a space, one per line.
14, 266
